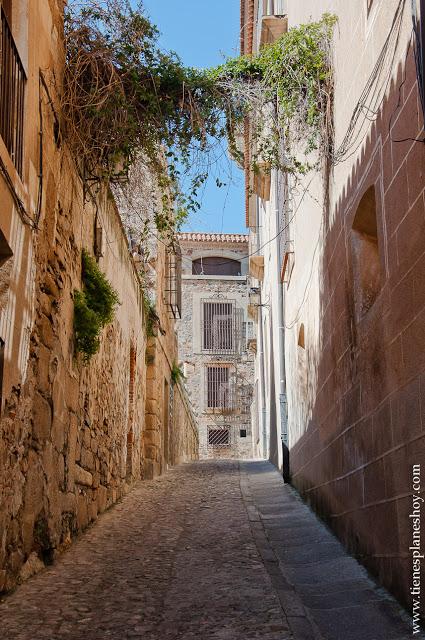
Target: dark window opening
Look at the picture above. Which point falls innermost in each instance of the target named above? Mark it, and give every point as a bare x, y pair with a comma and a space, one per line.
216, 266
366, 258
242, 433
5, 250
219, 437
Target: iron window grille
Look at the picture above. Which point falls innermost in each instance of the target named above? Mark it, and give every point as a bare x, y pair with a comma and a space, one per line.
219, 436
173, 282
12, 90
221, 327
220, 392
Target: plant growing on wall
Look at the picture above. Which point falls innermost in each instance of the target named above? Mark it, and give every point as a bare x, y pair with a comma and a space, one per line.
286, 93
94, 307
177, 374
124, 99
151, 316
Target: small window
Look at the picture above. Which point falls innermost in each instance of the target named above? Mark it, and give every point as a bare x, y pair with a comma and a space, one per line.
366, 258
216, 266
242, 433
5, 250
219, 436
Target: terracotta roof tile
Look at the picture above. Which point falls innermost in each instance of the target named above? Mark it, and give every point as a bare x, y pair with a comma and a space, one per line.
214, 237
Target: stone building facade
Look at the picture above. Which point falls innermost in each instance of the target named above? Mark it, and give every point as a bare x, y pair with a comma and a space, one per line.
214, 342
71, 434
352, 263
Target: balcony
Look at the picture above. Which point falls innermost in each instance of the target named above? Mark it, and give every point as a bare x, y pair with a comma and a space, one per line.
261, 181
220, 389
254, 303
221, 326
256, 267
287, 263
12, 90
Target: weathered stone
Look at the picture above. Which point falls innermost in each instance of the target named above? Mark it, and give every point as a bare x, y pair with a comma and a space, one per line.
44, 355
50, 286
83, 477
46, 331
42, 417
82, 512
32, 566
87, 459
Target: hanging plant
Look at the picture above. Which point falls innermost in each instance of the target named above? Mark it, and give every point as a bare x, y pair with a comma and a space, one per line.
94, 307
286, 93
124, 99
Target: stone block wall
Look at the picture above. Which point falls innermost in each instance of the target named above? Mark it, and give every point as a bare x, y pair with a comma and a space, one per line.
357, 389
184, 439
70, 432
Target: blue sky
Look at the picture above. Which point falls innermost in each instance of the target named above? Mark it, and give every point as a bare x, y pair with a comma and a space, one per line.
203, 33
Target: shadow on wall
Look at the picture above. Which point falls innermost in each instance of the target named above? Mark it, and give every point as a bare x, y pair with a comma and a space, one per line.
353, 461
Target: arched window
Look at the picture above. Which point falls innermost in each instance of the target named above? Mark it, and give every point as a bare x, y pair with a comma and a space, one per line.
216, 266
366, 259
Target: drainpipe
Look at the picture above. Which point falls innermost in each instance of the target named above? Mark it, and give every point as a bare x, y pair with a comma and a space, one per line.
263, 390
282, 368
261, 356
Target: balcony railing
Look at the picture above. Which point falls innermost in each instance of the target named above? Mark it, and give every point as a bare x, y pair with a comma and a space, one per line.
12, 93
220, 389
221, 326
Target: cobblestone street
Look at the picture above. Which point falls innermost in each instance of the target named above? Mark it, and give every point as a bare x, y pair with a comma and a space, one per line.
212, 551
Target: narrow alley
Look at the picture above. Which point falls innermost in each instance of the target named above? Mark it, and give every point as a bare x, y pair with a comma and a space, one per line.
217, 550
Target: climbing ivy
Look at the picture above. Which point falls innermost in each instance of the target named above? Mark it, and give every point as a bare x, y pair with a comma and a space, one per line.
124, 99
94, 307
286, 93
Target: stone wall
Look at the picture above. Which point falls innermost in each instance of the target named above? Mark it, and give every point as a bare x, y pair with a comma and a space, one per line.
184, 440
70, 432
357, 385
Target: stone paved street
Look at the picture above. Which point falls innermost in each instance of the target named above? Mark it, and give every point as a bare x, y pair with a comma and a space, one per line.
212, 551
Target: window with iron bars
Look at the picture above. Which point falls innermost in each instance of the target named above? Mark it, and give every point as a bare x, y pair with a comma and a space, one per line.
173, 282
220, 392
219, 436
12, 90
221, 327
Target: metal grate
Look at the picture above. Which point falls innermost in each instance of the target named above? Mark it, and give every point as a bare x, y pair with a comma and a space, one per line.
219, 436
173, 291
221, 327
12, 89
220, 388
